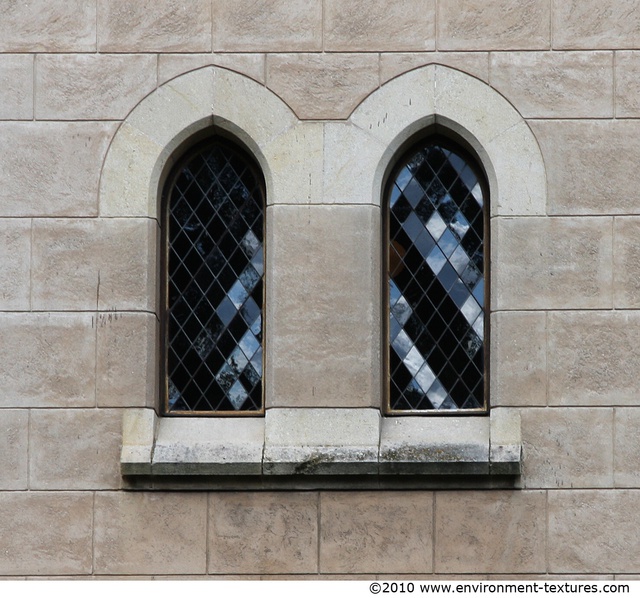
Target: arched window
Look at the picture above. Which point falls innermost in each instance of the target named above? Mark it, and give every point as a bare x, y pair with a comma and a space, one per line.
437, 222
213, 223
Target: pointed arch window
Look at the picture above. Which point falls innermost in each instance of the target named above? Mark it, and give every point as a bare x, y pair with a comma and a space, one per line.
437, 223
213, 227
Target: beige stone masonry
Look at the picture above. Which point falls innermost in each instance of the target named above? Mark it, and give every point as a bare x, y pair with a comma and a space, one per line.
91, 86
174, 65
567, 448
368, 25
588, 164
127, 355
45, 26
552, 263
627, 90
103, 264
626, 262
323, 305
147, 533
593, 358
46, 533
490, 532
496, 25
393, 64
15, 264
269, 26
555, 84
605, 24
322, 86
16, 87
594, 531
14, 449
154, 26
266, 532
35, 159
74, 449
48, 360
626, 448
518, 359
380, 532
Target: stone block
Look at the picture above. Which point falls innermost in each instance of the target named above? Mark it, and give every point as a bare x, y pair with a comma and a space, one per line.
393, 64
102, 264
490, 532
46, 533
556, 84
172, 65
255, 114
74, 449
176, 110
323, 306
295, 161
486, 116
588, 165
263, 533
567, 448
518, 359
48, 360
505, 450
146, 533
627, 84
207, 445
154, 26
370, 26
92, 86
626, 448
15, 264
127, 359
138, 436
321, 441
35, 159
502, 25
593, 358
131, 176
437, 445
268, 26
378, 532
513, 152
594, 530
351, 158
552, 263
44, 26
322, 86
16, 86
626, 262
14, 448
412, 98
607, 24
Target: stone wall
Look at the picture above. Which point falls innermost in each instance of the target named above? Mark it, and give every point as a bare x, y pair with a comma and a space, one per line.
78, 297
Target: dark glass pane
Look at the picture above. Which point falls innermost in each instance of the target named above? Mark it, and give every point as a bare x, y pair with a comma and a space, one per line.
436, 276
215, 226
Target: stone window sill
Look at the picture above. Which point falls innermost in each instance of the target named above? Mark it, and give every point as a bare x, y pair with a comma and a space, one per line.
319, 444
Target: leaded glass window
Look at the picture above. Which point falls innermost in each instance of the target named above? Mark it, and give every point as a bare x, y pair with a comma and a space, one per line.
436, 222
213, 234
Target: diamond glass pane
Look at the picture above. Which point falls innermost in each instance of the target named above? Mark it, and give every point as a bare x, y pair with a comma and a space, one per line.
436, 281
215, 223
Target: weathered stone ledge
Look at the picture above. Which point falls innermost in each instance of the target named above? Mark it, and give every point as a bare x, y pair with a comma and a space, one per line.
321, 443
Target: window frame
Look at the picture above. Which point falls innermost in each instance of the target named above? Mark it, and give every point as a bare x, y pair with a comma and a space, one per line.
447, 139
192, 150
